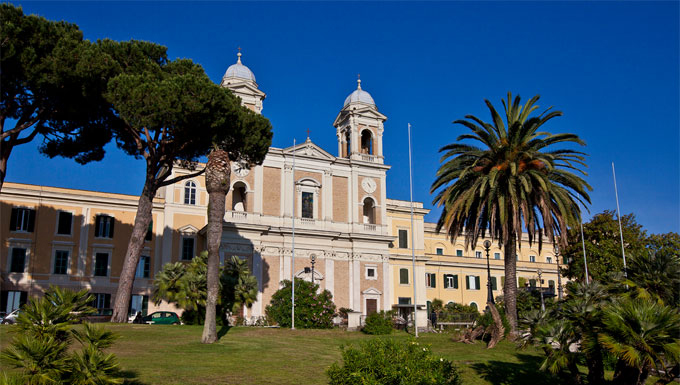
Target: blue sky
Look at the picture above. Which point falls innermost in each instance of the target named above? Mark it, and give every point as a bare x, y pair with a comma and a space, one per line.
611, 67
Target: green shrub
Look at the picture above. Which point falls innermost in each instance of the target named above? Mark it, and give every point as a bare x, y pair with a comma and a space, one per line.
40, 352
312, 309
378, 323
386, 361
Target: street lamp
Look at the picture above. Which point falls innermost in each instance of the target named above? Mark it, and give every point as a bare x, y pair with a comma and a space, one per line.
313, 261
540, 288
559, 276
489, 295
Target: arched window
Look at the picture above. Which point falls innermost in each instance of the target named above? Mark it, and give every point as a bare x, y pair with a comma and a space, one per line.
369, 211
474, 305
366, 142
190, 193
238, 197
348, 139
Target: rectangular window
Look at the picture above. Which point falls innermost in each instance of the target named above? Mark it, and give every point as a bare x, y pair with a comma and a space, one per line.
13, 300
101, 301
496, 255
532, 258
459, 253
307, 205
370, 273
22, 219
431, 280
532, 283
403, 239
149, 232
494, 283
440, 251
478, 254
472, 282
61, 262
18, 262
403, 276
450, 281
404, 300
103, 226
139, 304
190, 193
187, 249
548, 259
64, 221
143, 267
101, 265
551, 284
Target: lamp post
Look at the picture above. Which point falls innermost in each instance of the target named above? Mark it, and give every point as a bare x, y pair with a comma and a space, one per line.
312, 259
540, 288
489, 295
559, 276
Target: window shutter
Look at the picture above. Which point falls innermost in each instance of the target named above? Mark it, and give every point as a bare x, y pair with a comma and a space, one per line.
107, 301
97, 225
113, 222
147, 265
31, 220
13, 219
477, 286
446, 284
145, 305
23, 298
467, 282
455, 281
433, 278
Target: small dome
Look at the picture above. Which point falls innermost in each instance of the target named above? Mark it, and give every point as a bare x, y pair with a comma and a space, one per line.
238, 70
359, 96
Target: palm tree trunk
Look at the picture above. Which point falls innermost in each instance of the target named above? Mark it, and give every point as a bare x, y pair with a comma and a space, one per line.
498, 328
510, 287
135, 245
217, 181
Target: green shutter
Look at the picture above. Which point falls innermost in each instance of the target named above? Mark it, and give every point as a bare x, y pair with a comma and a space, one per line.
455, 281
467, 282
477, 282
403, 276
433, 279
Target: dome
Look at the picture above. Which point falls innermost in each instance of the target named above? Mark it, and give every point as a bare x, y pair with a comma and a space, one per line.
240, 71
359, 96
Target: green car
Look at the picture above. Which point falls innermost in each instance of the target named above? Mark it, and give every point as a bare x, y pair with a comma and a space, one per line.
162, 318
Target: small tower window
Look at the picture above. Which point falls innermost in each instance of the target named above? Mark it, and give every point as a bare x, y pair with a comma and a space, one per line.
366, 142
238, 197
348, 139
369, 211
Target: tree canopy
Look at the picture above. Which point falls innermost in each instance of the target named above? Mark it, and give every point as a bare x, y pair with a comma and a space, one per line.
52, 86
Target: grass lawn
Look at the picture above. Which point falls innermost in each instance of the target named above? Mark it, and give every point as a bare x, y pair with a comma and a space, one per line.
160, 354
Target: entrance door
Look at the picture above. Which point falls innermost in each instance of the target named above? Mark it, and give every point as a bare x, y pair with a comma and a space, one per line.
371, 306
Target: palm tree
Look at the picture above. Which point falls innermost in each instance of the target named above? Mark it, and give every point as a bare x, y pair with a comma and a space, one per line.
642, 334
511, 183
217, 183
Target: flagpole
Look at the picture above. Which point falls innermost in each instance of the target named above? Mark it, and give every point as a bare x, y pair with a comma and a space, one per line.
292, 260
413, 249
618, 211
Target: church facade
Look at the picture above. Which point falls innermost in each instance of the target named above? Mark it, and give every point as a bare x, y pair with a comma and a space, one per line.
304, 212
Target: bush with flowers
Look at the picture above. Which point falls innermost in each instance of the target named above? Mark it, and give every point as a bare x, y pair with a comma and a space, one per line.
314, 309
388, 361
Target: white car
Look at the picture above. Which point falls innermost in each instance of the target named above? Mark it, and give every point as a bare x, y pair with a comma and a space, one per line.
11, 318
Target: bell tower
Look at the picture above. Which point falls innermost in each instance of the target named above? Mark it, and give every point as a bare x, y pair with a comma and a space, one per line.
359, 128
241, 81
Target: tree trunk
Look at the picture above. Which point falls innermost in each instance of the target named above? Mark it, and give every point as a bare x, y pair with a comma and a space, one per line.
595, 364
5, 150
127, 275
472, 334
217, 181
510, 287
498, 329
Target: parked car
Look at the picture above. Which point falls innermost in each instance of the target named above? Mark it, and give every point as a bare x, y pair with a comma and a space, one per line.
162, 318
11, 318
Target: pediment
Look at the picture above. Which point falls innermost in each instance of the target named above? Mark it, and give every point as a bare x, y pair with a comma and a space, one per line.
243, 87
365, 112
309, 149
188, 230
372, 290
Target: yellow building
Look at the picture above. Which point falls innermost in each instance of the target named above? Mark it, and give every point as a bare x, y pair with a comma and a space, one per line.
360, 240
